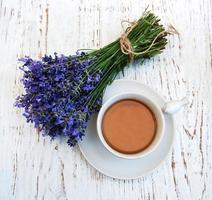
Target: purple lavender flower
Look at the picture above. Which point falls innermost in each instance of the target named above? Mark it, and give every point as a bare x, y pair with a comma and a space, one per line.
57, 95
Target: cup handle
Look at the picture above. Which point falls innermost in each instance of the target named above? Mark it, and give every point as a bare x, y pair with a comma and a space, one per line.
172, 107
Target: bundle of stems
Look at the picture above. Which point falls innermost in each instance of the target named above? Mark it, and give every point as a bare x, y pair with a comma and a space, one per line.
147, 38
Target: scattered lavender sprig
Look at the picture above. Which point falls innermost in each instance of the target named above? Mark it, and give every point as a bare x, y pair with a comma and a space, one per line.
62, 92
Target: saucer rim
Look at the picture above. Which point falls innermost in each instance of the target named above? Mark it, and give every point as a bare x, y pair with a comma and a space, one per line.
161, 161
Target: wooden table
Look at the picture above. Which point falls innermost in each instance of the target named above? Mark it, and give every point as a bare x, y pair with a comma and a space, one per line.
32, 167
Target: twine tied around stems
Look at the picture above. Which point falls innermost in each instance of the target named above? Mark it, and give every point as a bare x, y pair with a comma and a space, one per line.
126, 46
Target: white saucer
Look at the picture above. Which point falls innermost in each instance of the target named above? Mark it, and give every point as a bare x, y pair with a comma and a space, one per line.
107, 163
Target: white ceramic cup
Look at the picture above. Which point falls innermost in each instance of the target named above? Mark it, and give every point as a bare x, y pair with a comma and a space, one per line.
157, 111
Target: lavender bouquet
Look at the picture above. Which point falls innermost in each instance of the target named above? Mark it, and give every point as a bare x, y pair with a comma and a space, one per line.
62, 92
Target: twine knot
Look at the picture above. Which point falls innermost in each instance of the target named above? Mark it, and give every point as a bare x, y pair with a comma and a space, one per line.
126, 46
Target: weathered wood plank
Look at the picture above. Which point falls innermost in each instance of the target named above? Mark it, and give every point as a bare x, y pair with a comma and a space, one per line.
32, 167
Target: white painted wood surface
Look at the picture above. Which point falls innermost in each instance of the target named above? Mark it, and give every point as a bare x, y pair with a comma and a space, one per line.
32, 167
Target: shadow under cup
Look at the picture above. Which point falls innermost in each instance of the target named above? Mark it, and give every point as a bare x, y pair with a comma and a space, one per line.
142, 100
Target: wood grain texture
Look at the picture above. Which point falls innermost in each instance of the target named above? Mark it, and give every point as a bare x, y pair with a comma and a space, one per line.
32, 167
